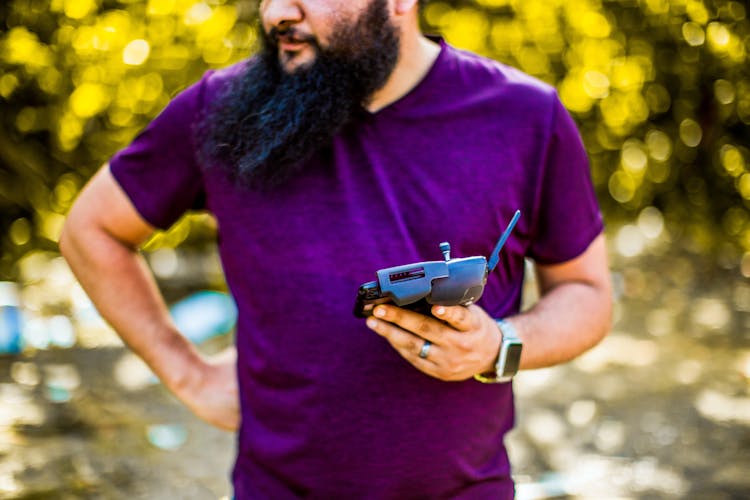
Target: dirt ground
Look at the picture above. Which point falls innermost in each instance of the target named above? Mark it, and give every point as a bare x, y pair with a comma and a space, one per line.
661, 409
79, 433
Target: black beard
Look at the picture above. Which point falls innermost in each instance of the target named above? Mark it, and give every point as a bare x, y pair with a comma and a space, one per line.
269, 122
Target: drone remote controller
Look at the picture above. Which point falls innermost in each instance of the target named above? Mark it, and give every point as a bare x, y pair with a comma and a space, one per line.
421, 285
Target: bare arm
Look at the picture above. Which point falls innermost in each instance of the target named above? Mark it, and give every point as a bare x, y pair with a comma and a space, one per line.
100, 241
572, 315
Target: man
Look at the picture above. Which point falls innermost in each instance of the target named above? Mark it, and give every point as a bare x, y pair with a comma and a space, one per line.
350, 144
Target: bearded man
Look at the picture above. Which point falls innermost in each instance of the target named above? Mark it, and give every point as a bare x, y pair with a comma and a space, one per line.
351, 143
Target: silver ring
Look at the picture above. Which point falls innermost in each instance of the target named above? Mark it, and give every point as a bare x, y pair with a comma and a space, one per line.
425, 351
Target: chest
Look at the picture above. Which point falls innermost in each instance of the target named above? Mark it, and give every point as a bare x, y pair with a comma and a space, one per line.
383, 196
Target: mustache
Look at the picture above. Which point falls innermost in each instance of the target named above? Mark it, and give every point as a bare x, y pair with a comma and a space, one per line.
289, 35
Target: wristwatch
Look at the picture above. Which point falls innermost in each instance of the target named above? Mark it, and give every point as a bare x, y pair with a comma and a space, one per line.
508, 359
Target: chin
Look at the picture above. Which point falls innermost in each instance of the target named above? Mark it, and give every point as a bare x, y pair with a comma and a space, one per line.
294, 61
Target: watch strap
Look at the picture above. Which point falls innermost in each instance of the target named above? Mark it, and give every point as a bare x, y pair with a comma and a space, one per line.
508, 358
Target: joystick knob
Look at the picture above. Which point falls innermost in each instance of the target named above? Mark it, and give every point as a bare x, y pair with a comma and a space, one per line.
445, 247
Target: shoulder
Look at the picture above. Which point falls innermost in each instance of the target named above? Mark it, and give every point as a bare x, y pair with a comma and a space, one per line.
483, 93
216, 81
480, 75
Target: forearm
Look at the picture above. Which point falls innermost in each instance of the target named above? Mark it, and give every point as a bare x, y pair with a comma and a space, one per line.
119, 283
568, 320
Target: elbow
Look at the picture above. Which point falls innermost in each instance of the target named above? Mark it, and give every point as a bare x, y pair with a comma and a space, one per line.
72, 233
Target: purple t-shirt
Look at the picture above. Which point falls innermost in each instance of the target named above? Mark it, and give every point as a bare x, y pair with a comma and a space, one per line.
329, 409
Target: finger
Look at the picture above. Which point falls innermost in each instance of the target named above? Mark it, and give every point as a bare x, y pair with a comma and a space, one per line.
408, 345
423, 326
459, 317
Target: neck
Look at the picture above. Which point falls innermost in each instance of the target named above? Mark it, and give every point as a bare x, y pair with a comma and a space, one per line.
416, 56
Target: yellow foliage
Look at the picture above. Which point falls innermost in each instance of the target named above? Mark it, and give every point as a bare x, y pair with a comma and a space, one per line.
172, 237
633, 158
86, 42
494, 3
162, 30
50, 224
594, 24
115, 28
693, 34
724, 42
573, 94
69, 131
595, 84
658, 98
690, 132
217, 26
22, 47
697, 11
8, 84
78, 9
594, 54
542, 27
533, 61
622, 186
50, 80
659, 145
724, 91
466, 28
435, 11
136, 52
627, 74
64, 192
26, 119
171, 57
507, 36
657, 6
743, 186
732, 160
659, 172
197, 14
89, 99
161, 7
623, 111
670, 59
718, 36
20, 231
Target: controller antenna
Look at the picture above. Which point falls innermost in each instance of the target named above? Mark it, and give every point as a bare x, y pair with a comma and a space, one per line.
445, 247
495, 255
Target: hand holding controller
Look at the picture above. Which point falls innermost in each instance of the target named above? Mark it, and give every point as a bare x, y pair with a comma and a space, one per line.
420, 285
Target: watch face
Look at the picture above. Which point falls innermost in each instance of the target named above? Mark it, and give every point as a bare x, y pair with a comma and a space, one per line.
512, 358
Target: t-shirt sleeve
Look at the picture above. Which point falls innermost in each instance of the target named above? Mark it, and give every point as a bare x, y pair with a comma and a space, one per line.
159, 171
567, 215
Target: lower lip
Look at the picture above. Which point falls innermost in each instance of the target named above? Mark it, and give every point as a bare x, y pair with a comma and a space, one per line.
292, 46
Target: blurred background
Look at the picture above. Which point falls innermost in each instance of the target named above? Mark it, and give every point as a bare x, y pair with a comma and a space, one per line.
661, 91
